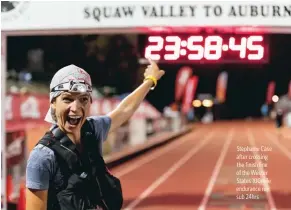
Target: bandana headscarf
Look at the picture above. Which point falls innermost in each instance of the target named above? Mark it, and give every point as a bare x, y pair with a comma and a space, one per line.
65, 74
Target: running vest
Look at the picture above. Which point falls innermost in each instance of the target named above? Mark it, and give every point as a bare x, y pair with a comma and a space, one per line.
88, 183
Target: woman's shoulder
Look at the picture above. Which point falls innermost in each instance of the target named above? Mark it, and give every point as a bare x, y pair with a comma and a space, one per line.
41, 151
100, 125
99, 119
41, 166
41, 156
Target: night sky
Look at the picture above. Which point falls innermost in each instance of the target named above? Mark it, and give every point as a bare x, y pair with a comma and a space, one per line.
247, 83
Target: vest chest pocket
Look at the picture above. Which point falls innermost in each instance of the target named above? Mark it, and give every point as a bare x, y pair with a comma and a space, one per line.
81, 192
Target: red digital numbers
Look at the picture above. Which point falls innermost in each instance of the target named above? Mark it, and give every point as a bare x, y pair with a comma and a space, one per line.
209, 48
256, 48
194, 45
174, 47
156, 47
241, 47
213, 44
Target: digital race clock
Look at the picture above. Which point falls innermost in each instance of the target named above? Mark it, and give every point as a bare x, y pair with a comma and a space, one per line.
222, 48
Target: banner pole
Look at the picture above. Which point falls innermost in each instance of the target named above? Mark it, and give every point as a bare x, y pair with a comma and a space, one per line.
3, 122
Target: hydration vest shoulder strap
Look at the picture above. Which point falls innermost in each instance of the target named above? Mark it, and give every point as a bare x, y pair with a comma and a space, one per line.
91, 146
63, 147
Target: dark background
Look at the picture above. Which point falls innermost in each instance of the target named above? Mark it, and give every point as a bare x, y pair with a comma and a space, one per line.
113, 60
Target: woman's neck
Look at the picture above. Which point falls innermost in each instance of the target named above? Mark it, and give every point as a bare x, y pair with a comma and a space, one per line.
75, 137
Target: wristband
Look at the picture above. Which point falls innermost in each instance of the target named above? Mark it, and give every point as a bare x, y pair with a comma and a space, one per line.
152, 79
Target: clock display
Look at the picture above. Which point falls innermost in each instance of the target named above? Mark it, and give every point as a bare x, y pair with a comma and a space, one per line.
206, 48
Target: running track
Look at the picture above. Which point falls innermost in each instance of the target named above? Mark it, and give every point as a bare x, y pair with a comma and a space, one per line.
198, 171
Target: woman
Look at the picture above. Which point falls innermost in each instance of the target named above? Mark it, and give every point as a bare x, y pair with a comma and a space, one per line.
70, 97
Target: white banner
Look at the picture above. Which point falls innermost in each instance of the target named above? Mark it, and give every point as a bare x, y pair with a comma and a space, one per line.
17, 15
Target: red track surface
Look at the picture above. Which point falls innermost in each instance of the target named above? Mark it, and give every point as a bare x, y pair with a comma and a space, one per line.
198, 171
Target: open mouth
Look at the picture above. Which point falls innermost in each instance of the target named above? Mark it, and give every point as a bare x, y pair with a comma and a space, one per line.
74, 120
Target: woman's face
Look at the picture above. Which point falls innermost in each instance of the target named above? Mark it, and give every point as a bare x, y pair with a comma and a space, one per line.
71, 110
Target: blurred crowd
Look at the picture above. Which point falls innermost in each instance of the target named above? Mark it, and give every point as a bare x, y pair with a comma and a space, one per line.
111, 60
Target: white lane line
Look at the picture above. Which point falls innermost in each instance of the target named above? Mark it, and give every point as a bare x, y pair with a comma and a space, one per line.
169, 172
216, 171
262, 173
278, 144
154, 156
